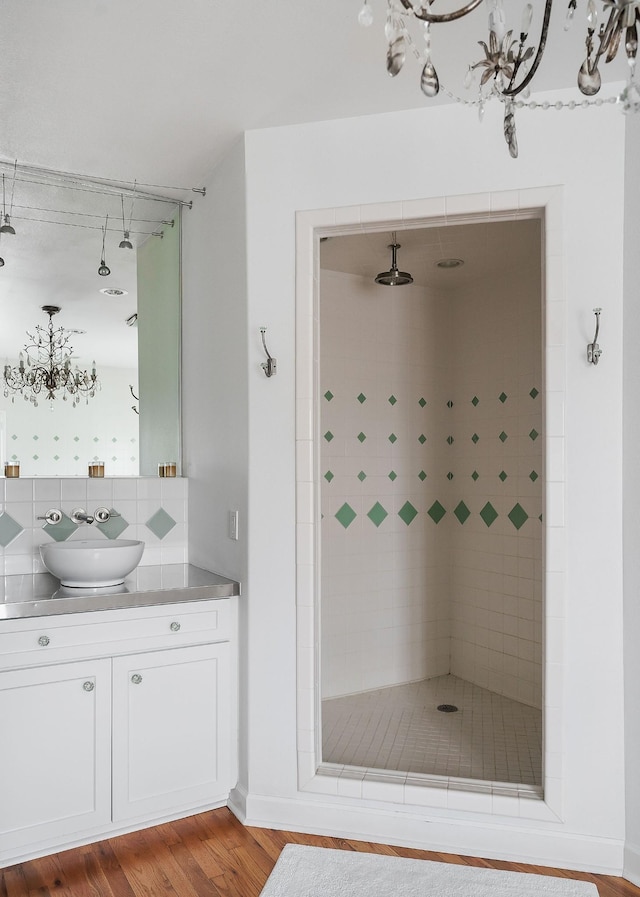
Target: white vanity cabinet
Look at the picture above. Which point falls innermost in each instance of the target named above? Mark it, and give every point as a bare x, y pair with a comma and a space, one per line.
113, 720
55, 726
170, 729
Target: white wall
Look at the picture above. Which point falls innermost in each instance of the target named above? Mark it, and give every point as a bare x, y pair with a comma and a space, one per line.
398, 158
631, 436
214, 386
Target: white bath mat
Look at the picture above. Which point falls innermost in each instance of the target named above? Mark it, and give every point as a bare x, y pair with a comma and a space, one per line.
320, 872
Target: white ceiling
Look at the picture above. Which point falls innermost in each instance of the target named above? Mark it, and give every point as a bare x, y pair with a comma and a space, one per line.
493, 249
158, 90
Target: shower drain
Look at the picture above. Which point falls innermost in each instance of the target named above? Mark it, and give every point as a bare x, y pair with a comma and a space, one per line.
447, 708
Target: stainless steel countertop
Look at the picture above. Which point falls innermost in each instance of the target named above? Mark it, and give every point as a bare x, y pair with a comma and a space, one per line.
41, 595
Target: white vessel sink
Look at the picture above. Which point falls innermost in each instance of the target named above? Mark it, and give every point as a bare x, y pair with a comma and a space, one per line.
92, 563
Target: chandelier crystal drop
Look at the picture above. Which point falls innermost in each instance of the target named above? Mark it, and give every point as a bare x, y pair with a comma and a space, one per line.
44, 367
510, 62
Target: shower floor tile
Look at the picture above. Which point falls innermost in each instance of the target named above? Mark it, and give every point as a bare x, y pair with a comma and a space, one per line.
400, 728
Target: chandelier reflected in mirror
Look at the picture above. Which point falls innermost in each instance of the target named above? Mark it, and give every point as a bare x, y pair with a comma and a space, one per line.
510, 63
44, 367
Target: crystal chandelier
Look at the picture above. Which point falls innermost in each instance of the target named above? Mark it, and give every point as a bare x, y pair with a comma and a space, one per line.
510, 64
45, 367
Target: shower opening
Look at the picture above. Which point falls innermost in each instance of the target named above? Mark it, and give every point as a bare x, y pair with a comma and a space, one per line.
431, 473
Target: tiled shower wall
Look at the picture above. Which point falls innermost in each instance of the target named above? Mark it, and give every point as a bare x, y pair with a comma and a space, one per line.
150, 509
431, 467
497, 462
385, 579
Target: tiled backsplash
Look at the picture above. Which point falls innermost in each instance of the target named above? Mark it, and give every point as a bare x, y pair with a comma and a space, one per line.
150, 509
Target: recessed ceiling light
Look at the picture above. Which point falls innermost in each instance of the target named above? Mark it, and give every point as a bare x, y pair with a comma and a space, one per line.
112, 291
450, 263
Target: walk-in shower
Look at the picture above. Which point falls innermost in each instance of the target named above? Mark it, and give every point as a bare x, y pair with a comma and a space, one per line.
431, 469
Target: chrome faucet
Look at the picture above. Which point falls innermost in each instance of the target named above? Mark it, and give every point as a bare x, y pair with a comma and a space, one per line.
101, 515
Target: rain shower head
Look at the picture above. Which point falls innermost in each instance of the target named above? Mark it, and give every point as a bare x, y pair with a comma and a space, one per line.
393, 277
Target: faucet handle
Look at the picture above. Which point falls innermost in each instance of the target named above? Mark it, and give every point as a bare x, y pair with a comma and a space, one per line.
52, 516
101, 515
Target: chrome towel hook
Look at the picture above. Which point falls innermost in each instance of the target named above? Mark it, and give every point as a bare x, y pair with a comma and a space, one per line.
593, 349
268, 366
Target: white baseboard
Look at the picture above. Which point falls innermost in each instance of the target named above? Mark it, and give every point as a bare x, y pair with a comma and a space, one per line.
513, 842
631, 869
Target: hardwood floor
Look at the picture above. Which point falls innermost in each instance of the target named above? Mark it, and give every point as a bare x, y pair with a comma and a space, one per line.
210, 855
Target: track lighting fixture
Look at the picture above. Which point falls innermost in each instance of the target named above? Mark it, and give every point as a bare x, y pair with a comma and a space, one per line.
7, 227
103, 271
125, 243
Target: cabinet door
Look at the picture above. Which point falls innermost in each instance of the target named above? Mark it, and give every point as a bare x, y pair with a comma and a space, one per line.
171, 730
55, 762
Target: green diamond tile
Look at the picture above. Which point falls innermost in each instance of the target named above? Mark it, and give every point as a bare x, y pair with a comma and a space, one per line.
533, 435
113, 527
35, 457
540, 518
449, 476
392, 400
503, 437
56, 457
56, 439
392, 475
422, 402
377, 514
462, 511
35, 438
533, 476
76, 439
449, 404
60, 531
474, 401
475, 438
362, 398
361, 437
95, 439
10, 529
76, 457
503, 397
346, 515
502, 475
488, 513
534, 393
436, 512
14, 437
362, 476
114, 439
475, 475
450, 440
422, 439
517, 515
328, 395
393, 438
160, 523
422, 475
328, 435
328, 476
407, 513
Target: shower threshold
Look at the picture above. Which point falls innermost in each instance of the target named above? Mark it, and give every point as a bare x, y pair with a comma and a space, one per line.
489, 738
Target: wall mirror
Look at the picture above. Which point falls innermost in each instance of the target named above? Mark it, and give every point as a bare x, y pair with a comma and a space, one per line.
127, 321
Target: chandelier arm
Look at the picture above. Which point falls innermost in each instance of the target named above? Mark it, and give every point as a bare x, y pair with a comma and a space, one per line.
442, 17
512, 91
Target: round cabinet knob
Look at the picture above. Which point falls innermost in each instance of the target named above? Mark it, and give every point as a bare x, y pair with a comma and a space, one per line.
136, 678
88, 686
43, 640
175, 627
